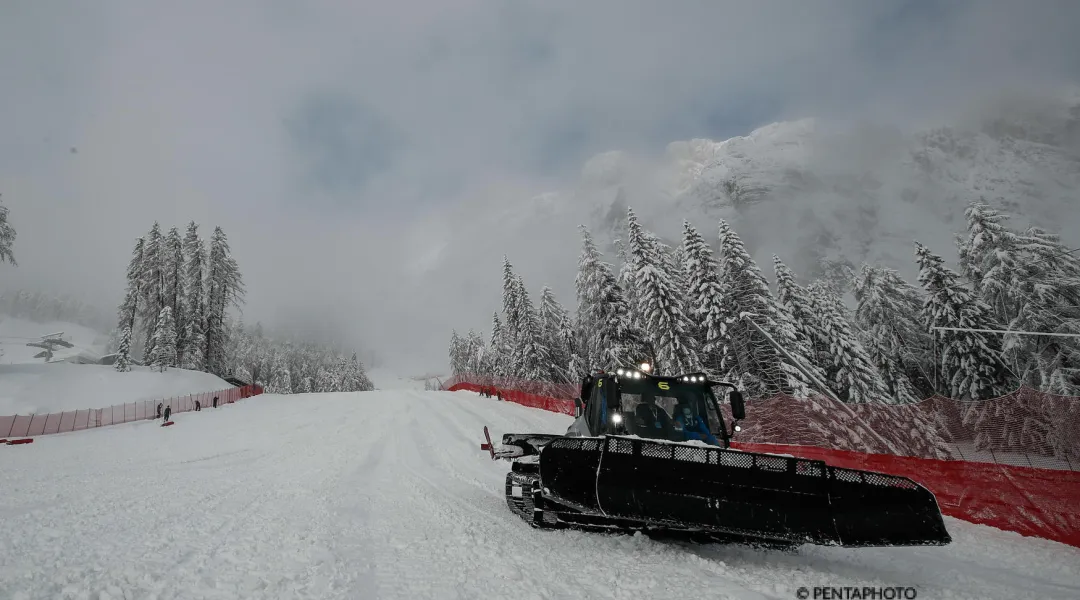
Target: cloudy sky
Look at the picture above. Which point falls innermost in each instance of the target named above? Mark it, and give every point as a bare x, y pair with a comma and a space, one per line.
334, 140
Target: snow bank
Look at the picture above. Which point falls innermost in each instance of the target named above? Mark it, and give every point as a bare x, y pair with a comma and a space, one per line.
42, 388
388, 495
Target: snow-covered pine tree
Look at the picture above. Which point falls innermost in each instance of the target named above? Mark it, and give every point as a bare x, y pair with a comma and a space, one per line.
281, 379
747, 355
660, 303
967, 360
797, 302
497, 351
704, 296
225, 288
631, 293
850, 371
459, 361
1032, 283
364, 383
123, 353
324, 381
607, 334
193, 299
888, 311
164, 346
475, 351
174, 283
534, 357
152, 286
512, 310
129, 308
558, 333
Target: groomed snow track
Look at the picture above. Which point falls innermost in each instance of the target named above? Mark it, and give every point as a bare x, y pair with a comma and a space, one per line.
387, 495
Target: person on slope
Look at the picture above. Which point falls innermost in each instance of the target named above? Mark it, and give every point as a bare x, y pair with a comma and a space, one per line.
158, 411
168, 411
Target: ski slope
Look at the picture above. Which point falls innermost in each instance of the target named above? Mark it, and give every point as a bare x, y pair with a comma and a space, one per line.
387, 495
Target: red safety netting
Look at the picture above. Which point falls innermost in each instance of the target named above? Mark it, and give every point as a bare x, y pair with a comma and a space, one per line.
1036, 502
1025, 428
986, 462
18, 426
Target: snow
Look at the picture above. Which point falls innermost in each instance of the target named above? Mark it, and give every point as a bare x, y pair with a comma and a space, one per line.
27, 389
387, 495
388, 379
15, 333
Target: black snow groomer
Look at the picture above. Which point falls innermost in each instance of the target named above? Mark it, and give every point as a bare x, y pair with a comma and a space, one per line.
652, 454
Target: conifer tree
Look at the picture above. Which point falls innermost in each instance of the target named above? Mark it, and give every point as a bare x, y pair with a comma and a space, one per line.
968, 362
225, 289
123, 353
173, 279
497, 352
558, 333
280, 379
705, 299
534, 359
747, 355
193, 299
458, 360
850, 371
661, 305
129, 308
889, 313
164, 346
795, 299
152, 285
608, 335
324, 381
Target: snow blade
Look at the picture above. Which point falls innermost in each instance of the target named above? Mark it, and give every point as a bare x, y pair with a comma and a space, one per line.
736, 495
488, 446
19, 442
166, 423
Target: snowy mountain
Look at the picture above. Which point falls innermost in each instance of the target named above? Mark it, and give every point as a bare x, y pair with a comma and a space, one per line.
810, 190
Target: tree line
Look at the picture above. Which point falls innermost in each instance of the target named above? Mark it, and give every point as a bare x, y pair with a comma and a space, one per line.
690, 308
175, 314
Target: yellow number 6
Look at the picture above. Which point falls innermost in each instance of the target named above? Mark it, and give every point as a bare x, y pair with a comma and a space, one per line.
663, 385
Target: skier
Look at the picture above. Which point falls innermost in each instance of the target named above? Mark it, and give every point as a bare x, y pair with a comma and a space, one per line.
158, 411
168, 411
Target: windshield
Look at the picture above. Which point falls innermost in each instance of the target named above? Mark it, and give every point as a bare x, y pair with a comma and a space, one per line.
668, 410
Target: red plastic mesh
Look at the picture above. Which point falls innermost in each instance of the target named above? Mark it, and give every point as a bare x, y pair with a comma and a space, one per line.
20, 426
1025, 428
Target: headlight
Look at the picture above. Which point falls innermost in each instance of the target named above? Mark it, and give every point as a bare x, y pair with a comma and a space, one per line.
616, 418
738, 428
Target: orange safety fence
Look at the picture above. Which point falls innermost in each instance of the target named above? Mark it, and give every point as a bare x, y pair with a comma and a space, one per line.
75, 420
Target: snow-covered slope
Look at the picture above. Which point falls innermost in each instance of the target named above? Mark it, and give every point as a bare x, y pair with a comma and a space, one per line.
388, 379
15, 333
41, 388
387, 495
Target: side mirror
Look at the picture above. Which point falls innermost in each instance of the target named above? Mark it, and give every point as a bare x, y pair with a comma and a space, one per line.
738, 407
577, 407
